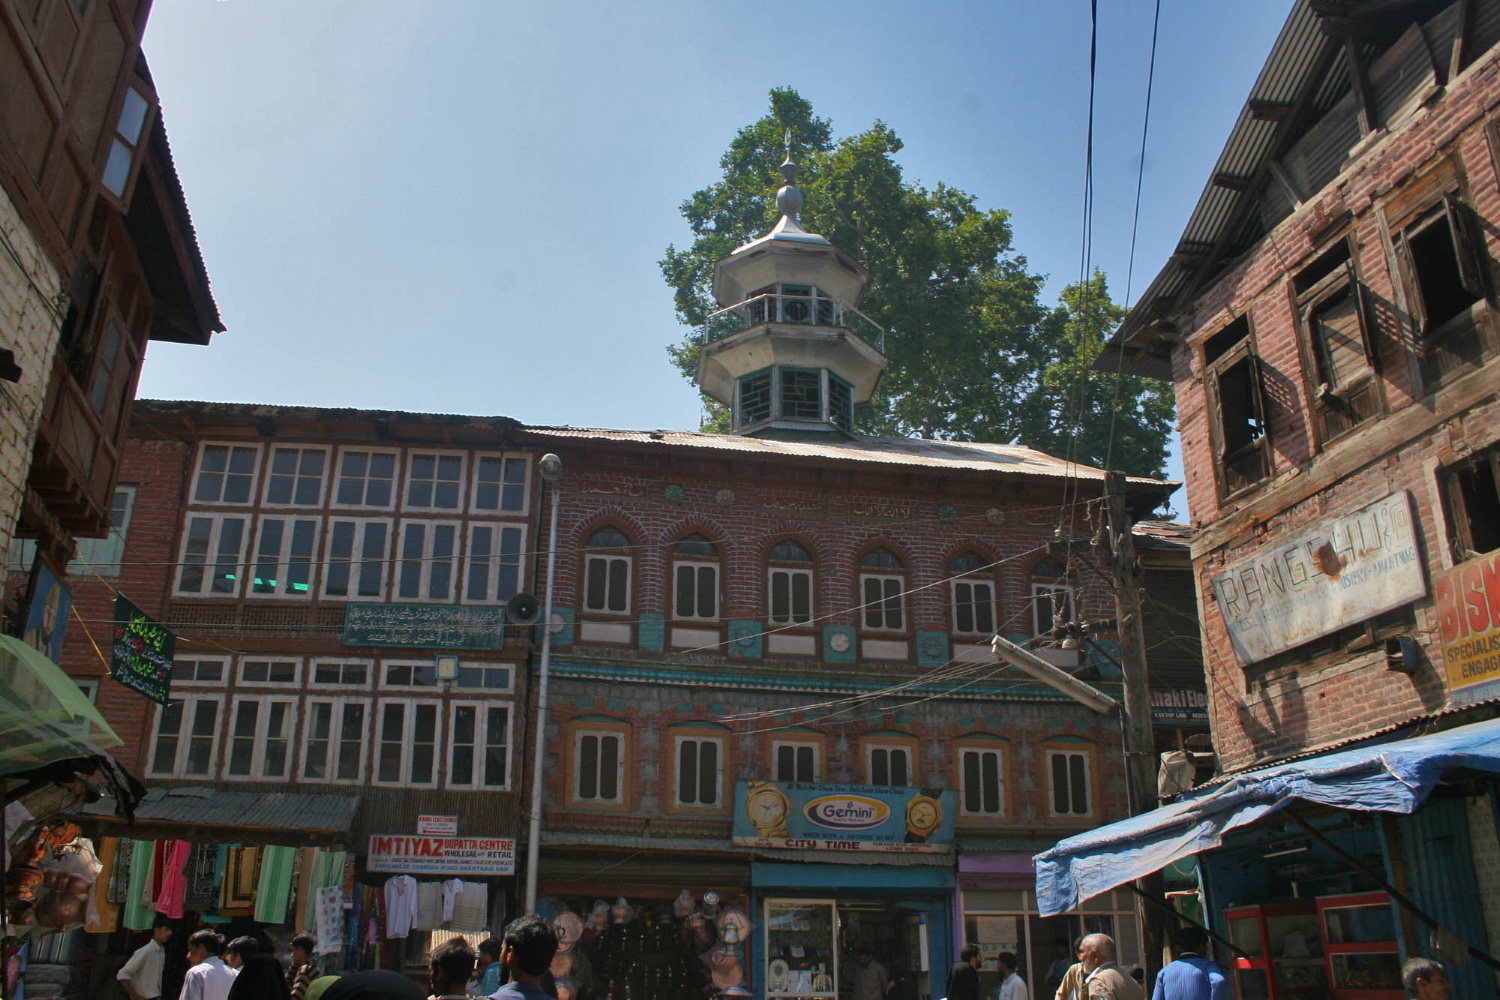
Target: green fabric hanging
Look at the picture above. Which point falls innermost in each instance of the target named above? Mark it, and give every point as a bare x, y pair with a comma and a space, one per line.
274, 892
327, 871
138, 911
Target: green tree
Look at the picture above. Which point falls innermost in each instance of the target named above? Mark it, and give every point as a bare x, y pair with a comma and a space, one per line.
1080, 408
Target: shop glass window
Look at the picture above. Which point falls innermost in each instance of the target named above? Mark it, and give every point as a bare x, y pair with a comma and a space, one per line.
226, 473
1238, 424
295, 477
973, 598
278, 672
212, 549
1051, 597
366, 479
494, 563
889, 765
479, 752
357, 553
1470, 492
434, 481
1068, 783
791, 584
429, 561
500, 483
796, 761
406, 753
607, 572
599, 775
335, 745
198, 671
284, 556
982, 781
883, 583
341, 673
700, 770
186, 738
695, 571
260, 739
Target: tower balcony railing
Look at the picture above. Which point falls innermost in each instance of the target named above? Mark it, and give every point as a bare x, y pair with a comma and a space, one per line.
802, 310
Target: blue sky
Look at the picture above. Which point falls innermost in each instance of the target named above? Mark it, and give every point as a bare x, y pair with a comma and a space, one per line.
459, 206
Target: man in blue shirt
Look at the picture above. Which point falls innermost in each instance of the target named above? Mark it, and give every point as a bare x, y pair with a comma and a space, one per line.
488, 968
1191, 976
526, 950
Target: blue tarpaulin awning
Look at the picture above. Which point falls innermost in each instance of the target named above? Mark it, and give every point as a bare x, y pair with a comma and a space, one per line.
1389, 777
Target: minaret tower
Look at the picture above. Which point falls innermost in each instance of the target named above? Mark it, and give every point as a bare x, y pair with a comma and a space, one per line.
789, 353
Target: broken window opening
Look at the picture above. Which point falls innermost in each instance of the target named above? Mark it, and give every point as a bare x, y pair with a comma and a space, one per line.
1437, 260
1471, 503
1244, 457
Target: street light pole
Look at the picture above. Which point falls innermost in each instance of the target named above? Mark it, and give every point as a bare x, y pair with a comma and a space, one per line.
551, 469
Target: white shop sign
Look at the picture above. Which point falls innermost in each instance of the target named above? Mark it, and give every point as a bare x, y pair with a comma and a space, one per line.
1345, 570
441, 855
437, 826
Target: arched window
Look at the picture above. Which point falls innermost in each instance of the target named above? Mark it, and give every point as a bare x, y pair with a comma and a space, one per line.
607, 565
973, 595
695, 569
790, 582
882, 581
1051, 596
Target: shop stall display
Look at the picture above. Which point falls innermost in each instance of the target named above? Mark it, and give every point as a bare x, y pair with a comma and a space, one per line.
801, 955
1281, 952
1359, 943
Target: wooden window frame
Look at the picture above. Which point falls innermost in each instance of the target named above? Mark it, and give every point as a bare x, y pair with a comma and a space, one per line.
870, 744
335, 741
482, 708
409, 708
1362, 393
428, 561
184, 741
503, 458
696, 564
224, 672
384, 667
483, 665
492, 562
198, 471
106, 556
283, 559
408, 477
1471, 258
313, 684
1090, 774
211, 555
619, 731
357, 559
813, 743
607, 555
261, 737
296, 477
1243, 352
982, 745
681, 737
241, 662
993, 604
1457, 518
110, 136
337, 477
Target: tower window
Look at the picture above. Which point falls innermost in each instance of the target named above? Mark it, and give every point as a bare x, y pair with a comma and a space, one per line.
840, 403
801, 394
755, 398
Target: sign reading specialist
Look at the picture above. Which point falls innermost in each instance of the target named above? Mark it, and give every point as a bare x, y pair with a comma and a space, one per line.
141, 656
1344, 570
789, 814
408, 855
1468, 605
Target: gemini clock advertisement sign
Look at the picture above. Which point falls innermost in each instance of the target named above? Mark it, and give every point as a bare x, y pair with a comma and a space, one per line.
797, 816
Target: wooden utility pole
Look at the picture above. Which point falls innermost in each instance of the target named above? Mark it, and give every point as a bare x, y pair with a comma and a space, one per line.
1140, 741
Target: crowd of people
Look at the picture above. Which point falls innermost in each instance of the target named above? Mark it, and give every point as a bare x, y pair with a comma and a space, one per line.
510, 967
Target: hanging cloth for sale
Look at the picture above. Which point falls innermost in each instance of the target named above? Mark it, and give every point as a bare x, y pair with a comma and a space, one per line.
274, 890
329, 919
451, 888
137, 913
119, 879
429, 906
237, 891
174, 879
470, 907
202, 875
103, 917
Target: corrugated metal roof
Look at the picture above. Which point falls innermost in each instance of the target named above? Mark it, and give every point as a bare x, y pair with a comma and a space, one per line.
272, 811
915, 452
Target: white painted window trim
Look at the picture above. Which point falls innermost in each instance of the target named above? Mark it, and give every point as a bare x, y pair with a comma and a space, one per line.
906, 747
336, 473
481, 710
493, 559
269, 475
1088, 778
697, 565
791, 618
203, 447
398, 562
356, 561
973, 581
981, 752
335, 738
464, 491
283, 557
409, 711
1038, 588
469, 692
602, 734
239, 670
226, 672
865, 605
384, 665
342, 661
502, 510
261, 737
679, 742
211, 557
817, 751
607, 556
179, 761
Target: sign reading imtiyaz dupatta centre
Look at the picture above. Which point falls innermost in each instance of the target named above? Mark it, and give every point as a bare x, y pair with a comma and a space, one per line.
789, 814
141, 656
1345, 570
441, 855
438, 626
1468, 604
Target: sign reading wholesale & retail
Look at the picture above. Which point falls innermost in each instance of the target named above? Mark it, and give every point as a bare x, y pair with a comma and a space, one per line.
808, 817
406, 855
1468, 604
1344, 570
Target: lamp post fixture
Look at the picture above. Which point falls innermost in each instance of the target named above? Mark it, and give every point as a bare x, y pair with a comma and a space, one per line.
551, 468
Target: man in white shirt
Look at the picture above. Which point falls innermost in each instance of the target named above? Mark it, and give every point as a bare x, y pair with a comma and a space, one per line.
140, 976
209, 978
1012, 986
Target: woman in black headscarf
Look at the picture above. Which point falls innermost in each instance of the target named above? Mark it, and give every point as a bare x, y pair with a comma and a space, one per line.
261, 978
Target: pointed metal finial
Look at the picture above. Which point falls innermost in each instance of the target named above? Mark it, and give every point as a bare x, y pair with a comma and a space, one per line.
789, 199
